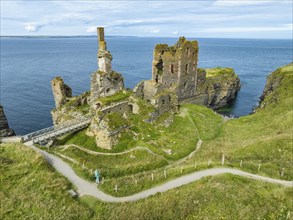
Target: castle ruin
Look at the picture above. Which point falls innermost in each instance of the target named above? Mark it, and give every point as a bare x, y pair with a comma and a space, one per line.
174, 76
176, 80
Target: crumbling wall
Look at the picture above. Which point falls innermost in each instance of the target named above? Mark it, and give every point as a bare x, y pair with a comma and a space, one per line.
121, 108
175, 67
61, 91
188, 56
105, 138
105, 84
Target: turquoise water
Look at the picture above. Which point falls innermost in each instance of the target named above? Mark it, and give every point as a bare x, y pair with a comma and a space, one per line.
28, 65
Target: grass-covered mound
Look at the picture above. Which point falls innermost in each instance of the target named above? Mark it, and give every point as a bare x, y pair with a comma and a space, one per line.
31, 189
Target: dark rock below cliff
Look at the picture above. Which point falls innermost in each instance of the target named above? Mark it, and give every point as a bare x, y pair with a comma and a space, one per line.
216, 87
5, 131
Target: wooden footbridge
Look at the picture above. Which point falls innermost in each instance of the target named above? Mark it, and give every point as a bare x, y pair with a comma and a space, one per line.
47, 134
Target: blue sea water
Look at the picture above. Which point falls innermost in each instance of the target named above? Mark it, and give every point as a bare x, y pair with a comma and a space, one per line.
28, 65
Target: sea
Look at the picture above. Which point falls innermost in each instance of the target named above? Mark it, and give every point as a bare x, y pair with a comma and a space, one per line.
28, 64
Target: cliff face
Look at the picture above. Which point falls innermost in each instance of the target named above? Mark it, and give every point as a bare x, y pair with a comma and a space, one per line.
216, 87
5, 131
272, 92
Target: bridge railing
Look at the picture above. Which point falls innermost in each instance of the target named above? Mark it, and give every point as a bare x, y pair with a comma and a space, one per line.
53, 130
61, 131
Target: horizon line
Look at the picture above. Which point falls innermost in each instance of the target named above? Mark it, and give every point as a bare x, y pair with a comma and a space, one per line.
72, 36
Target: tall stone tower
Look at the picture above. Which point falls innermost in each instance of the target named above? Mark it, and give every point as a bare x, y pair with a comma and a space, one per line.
175, 67
105, 81
104, 56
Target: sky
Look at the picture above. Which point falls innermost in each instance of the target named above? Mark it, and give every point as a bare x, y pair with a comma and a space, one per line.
265, 19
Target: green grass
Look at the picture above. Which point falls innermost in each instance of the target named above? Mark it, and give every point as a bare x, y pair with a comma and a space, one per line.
31, 189
78, 138
116, 166
261, 138
218, 71
119, 96
219, 197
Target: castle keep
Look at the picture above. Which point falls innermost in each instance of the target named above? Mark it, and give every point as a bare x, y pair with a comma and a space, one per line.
175, 67
174, 76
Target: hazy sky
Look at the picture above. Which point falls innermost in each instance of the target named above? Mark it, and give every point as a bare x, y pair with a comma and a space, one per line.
214, 18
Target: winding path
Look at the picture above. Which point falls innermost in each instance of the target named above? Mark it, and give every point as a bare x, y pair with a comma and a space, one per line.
87, 188
110, 154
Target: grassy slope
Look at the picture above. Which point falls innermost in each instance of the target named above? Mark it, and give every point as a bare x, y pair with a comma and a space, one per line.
218, 197
30, 189
262, 138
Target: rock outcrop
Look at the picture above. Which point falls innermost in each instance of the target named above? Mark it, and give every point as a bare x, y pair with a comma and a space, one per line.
216, 87
5, 131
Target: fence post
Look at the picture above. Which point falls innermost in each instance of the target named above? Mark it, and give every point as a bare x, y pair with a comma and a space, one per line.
165, 174
282, 172
258, 169
240, 163
152, 176
116, 188
209, 162
195, 165
223, 159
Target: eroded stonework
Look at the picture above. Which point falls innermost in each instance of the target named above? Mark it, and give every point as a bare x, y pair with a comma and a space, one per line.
174, 76
105, 81
61, 91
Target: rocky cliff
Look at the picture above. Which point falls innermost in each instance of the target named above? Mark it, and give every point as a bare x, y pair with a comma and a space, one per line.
216, 87
5, 131
272, 91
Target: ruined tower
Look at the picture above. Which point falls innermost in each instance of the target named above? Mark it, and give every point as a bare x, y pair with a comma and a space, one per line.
104, 56
61, 91
175, 67
105, 81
